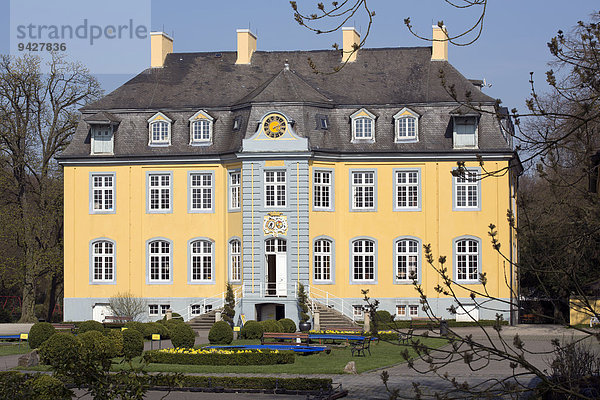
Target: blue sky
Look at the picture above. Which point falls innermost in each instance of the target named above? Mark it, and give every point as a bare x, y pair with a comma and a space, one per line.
513, 42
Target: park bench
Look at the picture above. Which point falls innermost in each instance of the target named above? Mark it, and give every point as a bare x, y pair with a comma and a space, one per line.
360, 346
527, 319
113, 320
422, 323
64, 327
277, 338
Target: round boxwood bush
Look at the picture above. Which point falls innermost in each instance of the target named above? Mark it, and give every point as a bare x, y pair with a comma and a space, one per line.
288, 325
151, 328
251, 330
133, 343
61, 351
116, 338
88, 326
270, 325
138, 326
169, 324
49, 387
39, 333
220, 333
182, 335
96, 348
383, 316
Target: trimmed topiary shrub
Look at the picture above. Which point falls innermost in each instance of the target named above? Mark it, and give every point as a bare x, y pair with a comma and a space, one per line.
61, 351
48, 387
96, 348
138, 326
39, 333
183, 336
270, 325
220, 333
116, 338
87, 326
171, 323
133, 343
251, 330
151, 328
288, 325
383, 316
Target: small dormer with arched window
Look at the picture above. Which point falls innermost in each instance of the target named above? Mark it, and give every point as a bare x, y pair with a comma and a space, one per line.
201, 128
159, 130
406, 126
363, 126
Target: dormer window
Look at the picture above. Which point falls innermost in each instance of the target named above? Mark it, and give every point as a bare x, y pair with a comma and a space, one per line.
363, 126
201, 128
102, 139
465, 132
407, 126
160, 130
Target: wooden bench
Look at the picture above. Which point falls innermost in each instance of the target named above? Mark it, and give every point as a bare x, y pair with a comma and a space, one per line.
277, 338
360, 346
113, 321
64, 327
416, 323
527, 319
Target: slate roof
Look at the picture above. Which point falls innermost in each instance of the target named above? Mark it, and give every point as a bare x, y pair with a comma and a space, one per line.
382, 81
102, 117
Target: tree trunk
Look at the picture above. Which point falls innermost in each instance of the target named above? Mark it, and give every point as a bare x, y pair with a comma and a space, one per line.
28, 301
52, 297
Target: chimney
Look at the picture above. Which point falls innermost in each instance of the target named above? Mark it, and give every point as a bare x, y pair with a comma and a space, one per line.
161, 44
350, 38
440, 43
246, 45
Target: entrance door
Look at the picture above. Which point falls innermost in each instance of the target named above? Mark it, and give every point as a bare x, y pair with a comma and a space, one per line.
276, 267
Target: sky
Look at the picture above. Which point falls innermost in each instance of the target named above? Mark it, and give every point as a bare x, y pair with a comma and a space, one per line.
512, 44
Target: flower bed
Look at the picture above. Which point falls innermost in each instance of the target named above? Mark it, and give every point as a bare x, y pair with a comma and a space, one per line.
219, 357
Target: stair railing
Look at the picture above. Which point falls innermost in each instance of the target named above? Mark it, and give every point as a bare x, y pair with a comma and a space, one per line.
320, 296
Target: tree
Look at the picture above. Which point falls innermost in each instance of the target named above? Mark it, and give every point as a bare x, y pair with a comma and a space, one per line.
229, 307
127, 305
38, 115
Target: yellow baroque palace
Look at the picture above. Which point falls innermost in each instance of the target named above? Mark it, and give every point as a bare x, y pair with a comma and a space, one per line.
246, 167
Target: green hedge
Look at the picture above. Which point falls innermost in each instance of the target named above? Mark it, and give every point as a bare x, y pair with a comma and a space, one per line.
251, 382
252, 358
405, 324
17, 386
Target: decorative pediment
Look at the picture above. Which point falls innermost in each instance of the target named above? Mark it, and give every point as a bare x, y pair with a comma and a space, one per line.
201, 114
363, 113
275, 133
406, 112
159, 117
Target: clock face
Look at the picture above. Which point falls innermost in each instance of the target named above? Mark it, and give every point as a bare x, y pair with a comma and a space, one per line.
274, 125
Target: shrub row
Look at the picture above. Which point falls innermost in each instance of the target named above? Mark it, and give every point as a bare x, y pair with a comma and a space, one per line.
17, 386
252, 382
246, 358
405, 324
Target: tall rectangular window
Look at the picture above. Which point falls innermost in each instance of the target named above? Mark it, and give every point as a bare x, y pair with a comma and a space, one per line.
322, 258
103, 258
466, 190
467, 260
159, 192
201, 191
275, 189
407, 190
159, 258
363, 190
201, 260
322, 190
235, 254
103, 193
363, 260
235, 192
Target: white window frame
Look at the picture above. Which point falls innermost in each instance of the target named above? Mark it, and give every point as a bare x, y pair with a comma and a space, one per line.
196, 309
202, 259
323, 253
278, 188
410, 255
235, 260
403, 131
205, 189
468, 184
357, 311
235, 190
164, 272
400, 307
466, 259
160, 190
413, 310
323, 193
106, 193
361, 130
455, 134
410, 189
107, 261
151, 310
200, 118
361, 189
152, 121
164, 308
360, 258
95, 129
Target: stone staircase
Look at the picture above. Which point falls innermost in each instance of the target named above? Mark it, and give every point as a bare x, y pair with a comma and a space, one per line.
203, 322
333, 319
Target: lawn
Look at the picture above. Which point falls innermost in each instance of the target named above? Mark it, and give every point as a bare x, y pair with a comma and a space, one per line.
382, 355
10, 348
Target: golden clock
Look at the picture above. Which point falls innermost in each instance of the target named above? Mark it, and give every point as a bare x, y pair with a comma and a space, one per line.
274, 125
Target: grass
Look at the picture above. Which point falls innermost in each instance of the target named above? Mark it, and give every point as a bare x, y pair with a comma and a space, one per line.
382, 355
11, 348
